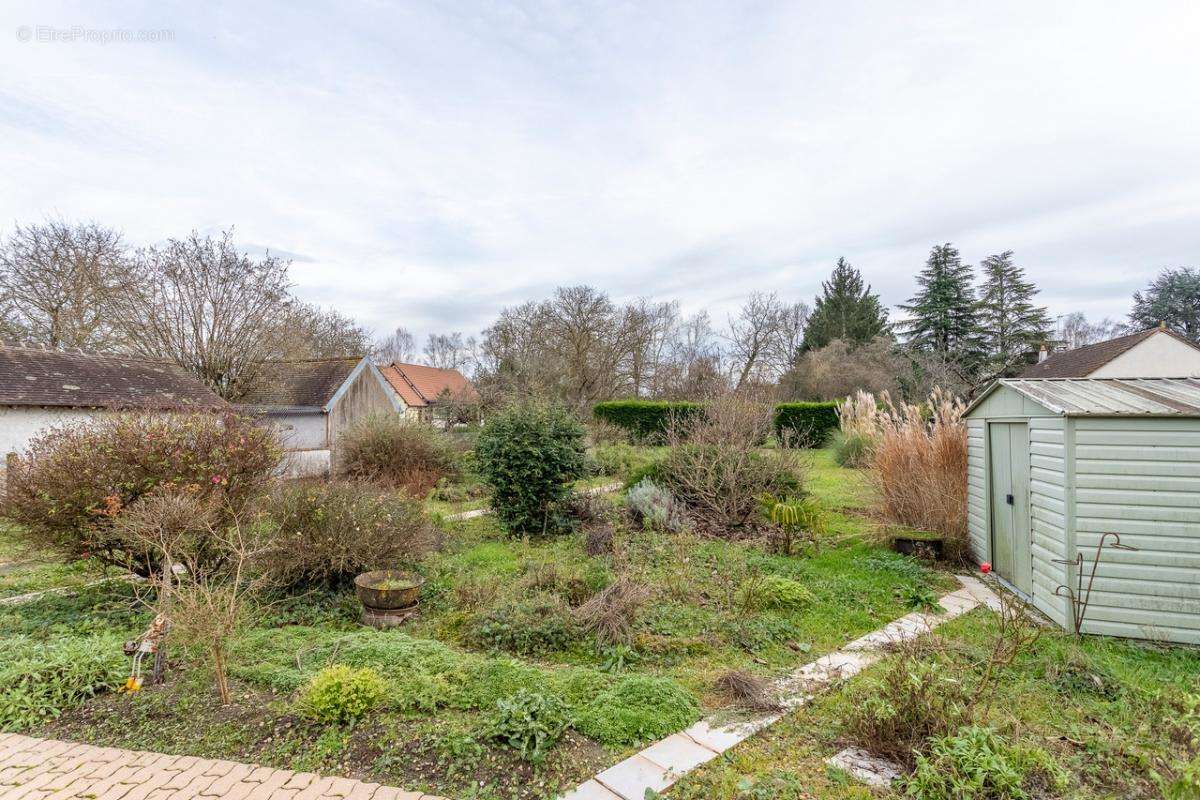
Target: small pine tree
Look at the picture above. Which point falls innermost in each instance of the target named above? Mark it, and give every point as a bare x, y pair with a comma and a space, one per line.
846, 310
942, 314
1010, 324
1172, 299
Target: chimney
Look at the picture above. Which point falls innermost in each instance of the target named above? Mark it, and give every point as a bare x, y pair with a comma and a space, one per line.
1043, 354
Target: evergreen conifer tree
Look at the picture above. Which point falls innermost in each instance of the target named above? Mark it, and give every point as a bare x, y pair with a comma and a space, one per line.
846, 310
1010, 325
943, 313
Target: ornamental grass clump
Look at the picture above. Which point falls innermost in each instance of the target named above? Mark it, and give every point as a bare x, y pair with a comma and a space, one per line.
859, 421
919, 468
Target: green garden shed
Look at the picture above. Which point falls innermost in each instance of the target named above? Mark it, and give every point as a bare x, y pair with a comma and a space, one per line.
1055, 464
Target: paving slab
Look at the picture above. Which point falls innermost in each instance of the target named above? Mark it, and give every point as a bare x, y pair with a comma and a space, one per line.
49, 769
678, 753
632, 777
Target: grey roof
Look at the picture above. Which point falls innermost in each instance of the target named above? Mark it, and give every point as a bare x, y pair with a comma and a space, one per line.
34, 377
299, 384
1109, 397
1083, 361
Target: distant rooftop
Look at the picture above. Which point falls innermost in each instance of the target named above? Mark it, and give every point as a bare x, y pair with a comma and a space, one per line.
419, 385
1083, 361
31, 376
299, 383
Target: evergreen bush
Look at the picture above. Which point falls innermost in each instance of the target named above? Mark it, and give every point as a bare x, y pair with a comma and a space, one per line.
805, 424
529, 456
647, 421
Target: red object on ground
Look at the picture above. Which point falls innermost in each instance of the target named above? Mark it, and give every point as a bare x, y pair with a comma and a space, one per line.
985, 567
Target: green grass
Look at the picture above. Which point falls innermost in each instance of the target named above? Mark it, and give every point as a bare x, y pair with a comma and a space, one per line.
23, 570
1114, 714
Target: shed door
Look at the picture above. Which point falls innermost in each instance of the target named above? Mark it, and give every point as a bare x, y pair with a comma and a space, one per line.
1009, 447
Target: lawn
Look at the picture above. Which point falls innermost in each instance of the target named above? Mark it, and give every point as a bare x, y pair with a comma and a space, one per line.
491, 624
498, 626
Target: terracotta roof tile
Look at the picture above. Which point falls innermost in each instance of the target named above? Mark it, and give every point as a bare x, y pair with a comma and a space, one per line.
419, 385
34, 377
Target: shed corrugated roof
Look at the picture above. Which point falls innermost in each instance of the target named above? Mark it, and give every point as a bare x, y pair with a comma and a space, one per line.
1109, 397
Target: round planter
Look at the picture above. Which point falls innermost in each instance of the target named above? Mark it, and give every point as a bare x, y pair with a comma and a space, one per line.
374, 591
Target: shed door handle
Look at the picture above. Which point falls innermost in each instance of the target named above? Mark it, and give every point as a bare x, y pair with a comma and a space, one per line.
1008, 498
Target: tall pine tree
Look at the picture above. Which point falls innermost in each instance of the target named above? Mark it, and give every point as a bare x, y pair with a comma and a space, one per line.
942, 314
846, 310
1010, 324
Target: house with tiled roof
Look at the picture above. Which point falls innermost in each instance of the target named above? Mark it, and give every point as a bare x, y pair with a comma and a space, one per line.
421, 388
1153, 353
311, 403
41, 389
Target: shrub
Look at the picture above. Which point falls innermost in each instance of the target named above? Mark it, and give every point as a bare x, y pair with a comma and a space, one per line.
796, 521
611, 613
529, 455
976, 764
531, 723
325, 534
208, 601
775, 592
392, 452
715, 469
647, 421
913, 699
637, 708
653, 508
919, 468
653, 470
540, 623
73, 481
805, 424
40, 680
339, 694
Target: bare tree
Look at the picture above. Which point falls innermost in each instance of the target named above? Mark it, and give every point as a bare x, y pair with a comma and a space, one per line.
1075, 330
209, 308
58, 279
307, 331
447, 350
400, 346
755, 339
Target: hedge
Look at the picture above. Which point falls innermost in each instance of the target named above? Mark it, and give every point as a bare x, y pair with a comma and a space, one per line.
646, 420
801, 424
805, 424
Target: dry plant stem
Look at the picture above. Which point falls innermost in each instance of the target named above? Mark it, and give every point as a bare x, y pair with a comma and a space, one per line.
919, 468
1016, 634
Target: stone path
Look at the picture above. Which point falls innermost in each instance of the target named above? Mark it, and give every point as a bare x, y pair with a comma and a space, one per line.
45, 769
663, 763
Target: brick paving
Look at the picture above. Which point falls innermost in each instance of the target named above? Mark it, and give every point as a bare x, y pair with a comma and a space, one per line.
46, 769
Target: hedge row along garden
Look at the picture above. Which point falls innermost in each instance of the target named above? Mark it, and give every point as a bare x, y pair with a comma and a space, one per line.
802, 424
560, 633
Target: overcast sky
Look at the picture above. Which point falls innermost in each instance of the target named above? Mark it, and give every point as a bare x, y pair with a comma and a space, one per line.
426, 163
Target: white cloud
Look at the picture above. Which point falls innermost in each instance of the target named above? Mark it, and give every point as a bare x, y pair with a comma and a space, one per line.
428, 165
